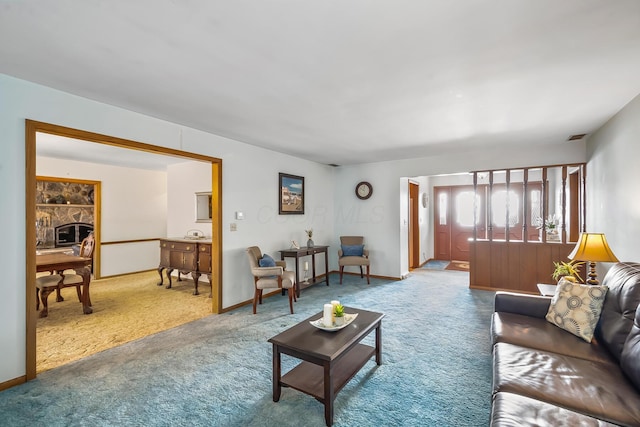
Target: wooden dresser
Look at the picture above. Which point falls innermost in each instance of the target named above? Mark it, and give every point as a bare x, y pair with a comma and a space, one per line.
188, 256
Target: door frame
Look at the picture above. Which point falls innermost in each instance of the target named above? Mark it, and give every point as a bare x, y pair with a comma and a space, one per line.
31, 128
414, 225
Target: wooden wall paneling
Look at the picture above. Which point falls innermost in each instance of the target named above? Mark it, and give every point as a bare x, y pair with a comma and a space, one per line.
529, 265
480, 264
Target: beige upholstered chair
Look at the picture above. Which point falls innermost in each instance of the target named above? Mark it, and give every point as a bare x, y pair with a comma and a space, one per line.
353, 256
270, 277
47, 284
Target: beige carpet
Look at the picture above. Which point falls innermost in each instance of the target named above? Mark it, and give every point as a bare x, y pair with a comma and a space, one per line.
125, 308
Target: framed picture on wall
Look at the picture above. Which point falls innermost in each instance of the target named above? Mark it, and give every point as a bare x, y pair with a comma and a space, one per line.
291, 194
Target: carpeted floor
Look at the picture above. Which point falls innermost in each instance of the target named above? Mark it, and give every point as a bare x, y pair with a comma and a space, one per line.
216, 371
125, 308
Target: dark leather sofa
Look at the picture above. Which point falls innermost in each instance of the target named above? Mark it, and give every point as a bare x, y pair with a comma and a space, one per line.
545, 376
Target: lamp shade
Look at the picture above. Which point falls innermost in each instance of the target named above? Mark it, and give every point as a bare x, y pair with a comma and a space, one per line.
592, 247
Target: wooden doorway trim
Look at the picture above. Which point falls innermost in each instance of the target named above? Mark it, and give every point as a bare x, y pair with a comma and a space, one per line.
31, 128
414, 225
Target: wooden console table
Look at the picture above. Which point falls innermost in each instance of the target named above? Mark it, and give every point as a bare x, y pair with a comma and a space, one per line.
188, 256
304, 251
330, 359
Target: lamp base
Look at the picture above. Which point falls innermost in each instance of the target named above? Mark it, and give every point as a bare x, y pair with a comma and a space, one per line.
592, 280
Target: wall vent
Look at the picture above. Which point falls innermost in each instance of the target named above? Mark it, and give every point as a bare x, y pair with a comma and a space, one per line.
576, 137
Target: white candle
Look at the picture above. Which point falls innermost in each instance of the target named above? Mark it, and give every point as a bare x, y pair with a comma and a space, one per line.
306, 265
327, 315
333, 310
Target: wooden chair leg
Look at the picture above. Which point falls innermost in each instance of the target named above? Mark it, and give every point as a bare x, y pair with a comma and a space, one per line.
341, 271
79, 292
37, 299
44, 296
58, 295
255, 300
291, 296
368, 270
361, 275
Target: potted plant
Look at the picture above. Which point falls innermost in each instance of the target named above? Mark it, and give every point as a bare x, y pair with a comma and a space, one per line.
309, 235
569, 270
338, 312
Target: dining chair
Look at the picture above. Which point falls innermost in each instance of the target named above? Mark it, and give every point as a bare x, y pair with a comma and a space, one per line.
45, 285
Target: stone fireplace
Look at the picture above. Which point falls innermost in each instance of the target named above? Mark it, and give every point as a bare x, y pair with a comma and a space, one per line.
64, 213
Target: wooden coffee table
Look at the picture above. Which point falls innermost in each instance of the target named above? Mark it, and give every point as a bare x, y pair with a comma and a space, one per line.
330, 359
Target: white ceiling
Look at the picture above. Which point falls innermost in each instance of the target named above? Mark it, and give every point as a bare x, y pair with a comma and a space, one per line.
340, 81
59, 147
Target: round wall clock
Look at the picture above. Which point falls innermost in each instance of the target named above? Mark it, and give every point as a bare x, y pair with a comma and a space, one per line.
364, 190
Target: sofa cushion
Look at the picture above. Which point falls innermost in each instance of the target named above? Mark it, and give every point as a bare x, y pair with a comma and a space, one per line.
618, 311
539, 334
597, 389
576, 308
513, 410
630, 360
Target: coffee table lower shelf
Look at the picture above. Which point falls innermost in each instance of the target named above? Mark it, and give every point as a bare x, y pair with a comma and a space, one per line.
309, 378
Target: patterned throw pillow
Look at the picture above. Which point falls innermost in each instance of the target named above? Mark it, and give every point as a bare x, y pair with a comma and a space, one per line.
576, 308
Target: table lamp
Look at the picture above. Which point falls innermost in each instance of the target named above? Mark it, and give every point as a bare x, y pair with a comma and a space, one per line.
592, 248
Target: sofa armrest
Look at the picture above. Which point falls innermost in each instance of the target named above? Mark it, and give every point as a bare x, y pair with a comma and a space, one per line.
527, 305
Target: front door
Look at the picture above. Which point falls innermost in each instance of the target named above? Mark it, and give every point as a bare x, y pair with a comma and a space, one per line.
456, 209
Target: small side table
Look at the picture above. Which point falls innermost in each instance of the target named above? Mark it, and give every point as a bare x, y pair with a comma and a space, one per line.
547, 290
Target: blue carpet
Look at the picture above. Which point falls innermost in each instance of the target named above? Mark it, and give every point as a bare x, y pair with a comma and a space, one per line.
216, 371
434, 264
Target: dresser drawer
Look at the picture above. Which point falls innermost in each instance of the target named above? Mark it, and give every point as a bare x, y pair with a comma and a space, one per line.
182, 247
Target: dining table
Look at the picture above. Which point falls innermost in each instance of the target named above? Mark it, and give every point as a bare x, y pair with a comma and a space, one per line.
57, 263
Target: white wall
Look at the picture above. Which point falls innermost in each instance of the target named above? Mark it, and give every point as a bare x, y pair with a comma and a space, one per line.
133, 206
183, 181
613, 175
250, 177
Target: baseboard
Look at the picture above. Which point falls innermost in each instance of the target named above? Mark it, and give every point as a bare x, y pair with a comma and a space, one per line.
12, 383
373, 276
488, 288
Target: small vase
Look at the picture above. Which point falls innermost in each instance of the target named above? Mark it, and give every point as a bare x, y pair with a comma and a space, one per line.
340, 321
309, 243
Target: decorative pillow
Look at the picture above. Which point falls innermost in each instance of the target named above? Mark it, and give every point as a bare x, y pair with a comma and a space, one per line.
352, 250
576, 308
266, 261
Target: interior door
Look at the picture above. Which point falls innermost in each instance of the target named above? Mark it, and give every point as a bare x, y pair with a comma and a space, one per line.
442, 223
